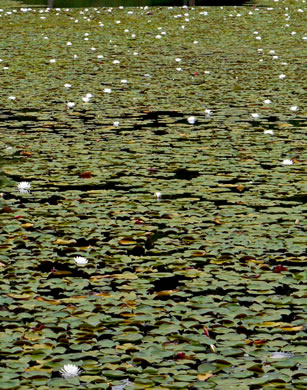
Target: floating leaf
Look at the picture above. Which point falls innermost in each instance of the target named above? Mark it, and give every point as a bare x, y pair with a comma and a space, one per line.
85, 175
61, 241
204, 377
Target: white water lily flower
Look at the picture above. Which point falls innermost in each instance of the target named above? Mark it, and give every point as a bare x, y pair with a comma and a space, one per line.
293, 108
255, 115
24, 187
12, 97
107, 90
116, 123
269, 132
267, 101
191, 120
71, 104
67, 85
208, 112
282, 76
70, 370
68, 44
280, 355
124, 81
287, 162
158, 195
212, 347
52, 61
80, 260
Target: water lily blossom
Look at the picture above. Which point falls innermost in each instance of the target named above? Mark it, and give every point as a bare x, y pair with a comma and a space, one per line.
71, 104
86, 98
24, 187
281, 355
80, 260
191, 120
287, 162
158, 195
70, 370
269, 132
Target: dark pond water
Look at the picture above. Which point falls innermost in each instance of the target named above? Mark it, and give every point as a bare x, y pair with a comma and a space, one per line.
115, 3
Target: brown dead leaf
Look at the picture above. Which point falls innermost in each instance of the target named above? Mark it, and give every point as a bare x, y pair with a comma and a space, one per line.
198, 253
127, 241
259, 342
293, 328
165, 293
85, 175
60, 241
51, 301
28, 154
204, 377
217, 221
268, 324
27, 225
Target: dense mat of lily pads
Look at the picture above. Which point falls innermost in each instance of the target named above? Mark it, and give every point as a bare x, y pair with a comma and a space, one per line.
152, 198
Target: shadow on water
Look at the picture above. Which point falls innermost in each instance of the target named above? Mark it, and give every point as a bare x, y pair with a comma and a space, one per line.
127, 3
